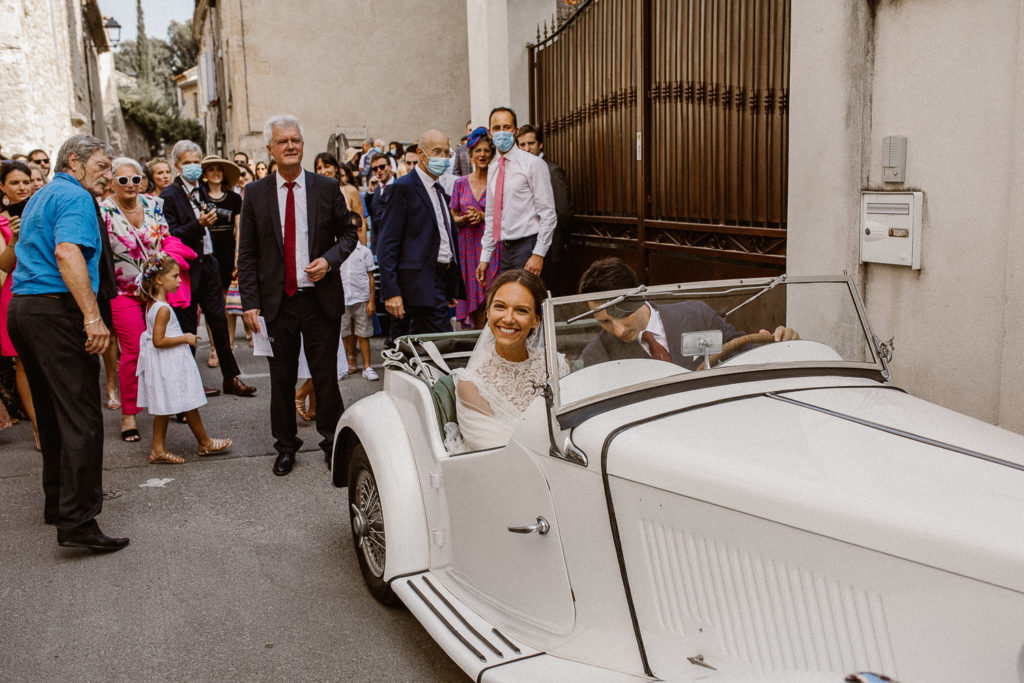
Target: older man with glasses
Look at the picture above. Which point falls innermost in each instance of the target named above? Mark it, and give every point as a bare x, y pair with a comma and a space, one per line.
38, 156
54, 320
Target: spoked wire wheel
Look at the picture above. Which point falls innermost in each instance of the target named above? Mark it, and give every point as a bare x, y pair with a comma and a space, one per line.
367, 516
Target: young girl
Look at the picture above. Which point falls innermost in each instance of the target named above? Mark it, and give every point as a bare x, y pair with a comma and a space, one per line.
169, 381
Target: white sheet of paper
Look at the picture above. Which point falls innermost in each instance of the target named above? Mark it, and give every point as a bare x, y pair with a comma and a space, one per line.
260, 341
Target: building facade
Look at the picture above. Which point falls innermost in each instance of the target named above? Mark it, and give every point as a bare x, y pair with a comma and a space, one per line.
948, 76
57, 75
392, 68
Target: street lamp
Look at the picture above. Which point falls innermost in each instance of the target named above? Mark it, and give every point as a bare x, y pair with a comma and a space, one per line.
113, 30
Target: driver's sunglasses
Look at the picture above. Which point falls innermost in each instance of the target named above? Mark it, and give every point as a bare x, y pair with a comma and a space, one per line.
378, 168
124, 180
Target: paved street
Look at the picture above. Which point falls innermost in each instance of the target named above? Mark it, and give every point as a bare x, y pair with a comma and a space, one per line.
232, 573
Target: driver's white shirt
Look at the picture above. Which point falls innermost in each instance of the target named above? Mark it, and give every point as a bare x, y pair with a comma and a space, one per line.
655, 327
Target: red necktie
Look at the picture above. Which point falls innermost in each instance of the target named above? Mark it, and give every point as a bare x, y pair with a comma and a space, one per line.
499, 196
291, 283
658, 352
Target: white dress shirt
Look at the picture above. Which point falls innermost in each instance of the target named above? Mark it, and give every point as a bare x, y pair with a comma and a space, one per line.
655, 327
527, 205
444, 251
301, 224
191, 191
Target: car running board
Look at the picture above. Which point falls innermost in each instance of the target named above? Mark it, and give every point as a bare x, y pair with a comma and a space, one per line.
472, 643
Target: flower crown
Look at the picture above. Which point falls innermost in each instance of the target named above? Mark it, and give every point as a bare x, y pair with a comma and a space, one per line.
152, 268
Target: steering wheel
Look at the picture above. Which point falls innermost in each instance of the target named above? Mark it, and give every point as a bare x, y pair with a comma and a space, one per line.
731, 346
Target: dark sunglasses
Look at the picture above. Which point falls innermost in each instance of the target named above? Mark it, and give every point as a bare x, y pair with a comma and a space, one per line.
124, 180
40, 161
379, 168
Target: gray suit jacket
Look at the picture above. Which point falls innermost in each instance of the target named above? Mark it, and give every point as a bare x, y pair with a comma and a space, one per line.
564, 209
686, 316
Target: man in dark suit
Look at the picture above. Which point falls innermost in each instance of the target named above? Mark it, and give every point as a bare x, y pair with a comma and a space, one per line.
380, 167
639, 329
189, 215
531, 140
418, 249
295, 233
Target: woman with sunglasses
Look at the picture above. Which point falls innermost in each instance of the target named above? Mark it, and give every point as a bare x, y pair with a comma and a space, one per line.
136, 228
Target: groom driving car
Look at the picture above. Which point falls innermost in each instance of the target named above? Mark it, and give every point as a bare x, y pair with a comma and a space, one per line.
639, 329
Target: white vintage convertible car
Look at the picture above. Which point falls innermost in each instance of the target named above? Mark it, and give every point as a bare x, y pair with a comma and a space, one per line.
779, 512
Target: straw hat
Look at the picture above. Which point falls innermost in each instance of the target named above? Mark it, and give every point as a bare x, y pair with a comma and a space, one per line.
351, 153
230, 168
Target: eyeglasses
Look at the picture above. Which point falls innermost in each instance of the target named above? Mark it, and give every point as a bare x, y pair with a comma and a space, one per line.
40, 161
124, 180
378, 168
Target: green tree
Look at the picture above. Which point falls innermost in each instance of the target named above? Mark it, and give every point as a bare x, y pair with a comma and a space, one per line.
145, 57
184, 51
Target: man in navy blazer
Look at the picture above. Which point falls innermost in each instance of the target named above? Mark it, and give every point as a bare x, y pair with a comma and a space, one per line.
294, 234
418, 248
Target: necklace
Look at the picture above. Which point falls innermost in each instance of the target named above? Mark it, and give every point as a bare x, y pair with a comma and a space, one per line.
134, 209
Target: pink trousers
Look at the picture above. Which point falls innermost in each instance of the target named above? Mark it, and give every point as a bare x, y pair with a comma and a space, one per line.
129, 323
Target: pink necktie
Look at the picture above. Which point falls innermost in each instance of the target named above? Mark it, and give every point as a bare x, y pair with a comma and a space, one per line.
291, 283
499, 195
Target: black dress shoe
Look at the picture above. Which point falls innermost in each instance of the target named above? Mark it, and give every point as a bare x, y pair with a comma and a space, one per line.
283, 464
238, 387
211, 391
90, 537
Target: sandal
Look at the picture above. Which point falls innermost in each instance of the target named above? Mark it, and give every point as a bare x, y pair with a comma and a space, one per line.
165, 458
216, 447
131, 436
300, 408
113, 402
212, 361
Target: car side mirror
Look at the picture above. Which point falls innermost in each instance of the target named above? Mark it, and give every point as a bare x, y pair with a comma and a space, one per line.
703, 343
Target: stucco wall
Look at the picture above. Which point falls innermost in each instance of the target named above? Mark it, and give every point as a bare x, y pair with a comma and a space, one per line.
948, 75
398, 67
36, 89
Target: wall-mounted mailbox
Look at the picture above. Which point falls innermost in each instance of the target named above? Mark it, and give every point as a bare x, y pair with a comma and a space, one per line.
890, 228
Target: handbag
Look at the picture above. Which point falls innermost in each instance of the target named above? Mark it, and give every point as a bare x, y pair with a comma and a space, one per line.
233, 300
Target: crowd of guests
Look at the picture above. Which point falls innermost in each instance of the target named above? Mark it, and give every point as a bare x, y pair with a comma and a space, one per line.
124, 255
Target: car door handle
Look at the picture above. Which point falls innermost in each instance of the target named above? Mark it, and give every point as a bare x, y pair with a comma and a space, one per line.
541, 527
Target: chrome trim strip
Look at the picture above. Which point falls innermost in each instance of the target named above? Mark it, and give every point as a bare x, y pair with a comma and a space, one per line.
506, 641
898, 432
463, 619
462, 638
480, 676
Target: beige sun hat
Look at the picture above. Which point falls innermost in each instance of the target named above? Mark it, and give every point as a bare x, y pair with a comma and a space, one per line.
230, 168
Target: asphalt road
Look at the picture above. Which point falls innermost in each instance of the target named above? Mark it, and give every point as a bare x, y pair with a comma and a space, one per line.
232, 573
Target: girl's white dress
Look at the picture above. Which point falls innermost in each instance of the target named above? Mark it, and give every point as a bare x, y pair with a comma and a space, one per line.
169, 381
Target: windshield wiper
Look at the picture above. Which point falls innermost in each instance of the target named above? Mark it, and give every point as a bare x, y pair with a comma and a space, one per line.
608, 304
767, 288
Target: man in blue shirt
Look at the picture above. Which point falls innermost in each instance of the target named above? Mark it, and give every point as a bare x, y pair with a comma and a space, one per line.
55, 324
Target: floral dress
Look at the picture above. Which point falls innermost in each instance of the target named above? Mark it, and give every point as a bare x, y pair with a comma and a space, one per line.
469, 251
132, 246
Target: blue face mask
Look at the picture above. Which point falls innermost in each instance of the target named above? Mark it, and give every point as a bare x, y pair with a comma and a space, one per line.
191, 172
438, 165
378, 150
503, 140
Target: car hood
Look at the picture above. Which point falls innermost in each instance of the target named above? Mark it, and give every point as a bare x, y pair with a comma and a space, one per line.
855, 473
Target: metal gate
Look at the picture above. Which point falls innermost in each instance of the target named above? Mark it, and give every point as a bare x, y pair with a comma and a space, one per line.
670, 120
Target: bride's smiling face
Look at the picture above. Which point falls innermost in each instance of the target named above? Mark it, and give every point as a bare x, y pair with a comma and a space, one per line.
511, 316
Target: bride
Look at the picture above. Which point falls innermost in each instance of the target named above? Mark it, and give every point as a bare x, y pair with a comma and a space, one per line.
507, 370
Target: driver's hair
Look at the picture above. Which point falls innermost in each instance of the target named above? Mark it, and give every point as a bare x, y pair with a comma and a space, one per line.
608, 274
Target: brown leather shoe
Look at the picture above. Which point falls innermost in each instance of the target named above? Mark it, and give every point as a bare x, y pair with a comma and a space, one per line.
238, 387
211, 391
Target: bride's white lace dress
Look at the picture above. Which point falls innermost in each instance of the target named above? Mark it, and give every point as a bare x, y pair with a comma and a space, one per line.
492, 393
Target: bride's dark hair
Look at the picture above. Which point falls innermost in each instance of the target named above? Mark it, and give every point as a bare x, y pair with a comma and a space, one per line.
532, 282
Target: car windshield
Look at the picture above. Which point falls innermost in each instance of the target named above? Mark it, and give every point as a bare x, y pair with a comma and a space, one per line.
604, 336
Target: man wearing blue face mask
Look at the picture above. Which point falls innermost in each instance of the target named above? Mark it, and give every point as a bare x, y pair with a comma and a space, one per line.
520, 205
189, 215
418, 245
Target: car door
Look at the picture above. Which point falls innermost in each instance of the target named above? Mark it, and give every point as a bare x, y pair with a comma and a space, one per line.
518, 580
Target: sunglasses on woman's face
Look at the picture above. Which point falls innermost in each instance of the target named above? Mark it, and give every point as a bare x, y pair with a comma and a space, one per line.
125, 180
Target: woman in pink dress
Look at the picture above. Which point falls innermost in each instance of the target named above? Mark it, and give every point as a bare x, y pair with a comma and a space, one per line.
469, 199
